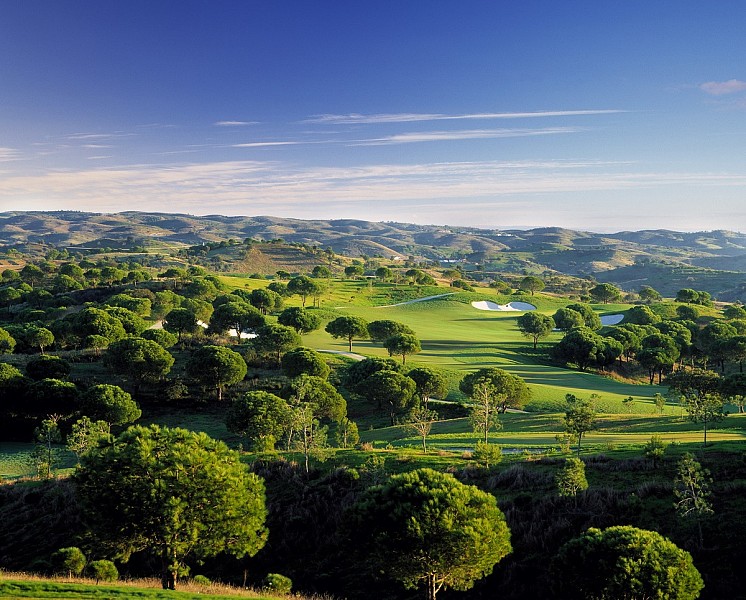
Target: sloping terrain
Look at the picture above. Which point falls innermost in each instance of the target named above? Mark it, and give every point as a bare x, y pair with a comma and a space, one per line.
667, 260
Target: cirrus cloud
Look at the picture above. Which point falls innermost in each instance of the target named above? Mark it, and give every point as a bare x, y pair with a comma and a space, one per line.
721, 88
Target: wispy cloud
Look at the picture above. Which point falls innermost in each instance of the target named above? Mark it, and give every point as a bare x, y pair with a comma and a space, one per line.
262, 144
235, 123
469, 134
8, 154
95, 146
99, 157
356, 119
370, 191
721, 88
98, 136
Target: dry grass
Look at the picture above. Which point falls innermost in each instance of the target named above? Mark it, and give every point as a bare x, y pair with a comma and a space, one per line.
187, 586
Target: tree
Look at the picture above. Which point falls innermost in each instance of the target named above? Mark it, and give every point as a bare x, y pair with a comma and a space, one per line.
237, 315
304, 361
571, 478
649, 295
217, 367
429, 384
686, 312
47, 367
86, 435
8, 296
139, 360
348, 328
180, 321
705, 410
327, 402
658, 353
275, 340
580, 417
700, 392
265, 300
590, 316
356, 375
624, 562
299, 319
487, 454
513, 390
427, 527
347, 433
7, 342
321, 272
535, 326
605, 292
69, 560
32, 275
302, 286
354, 271
383, 329
391, 388
485, 409
384, 273
39, 337
261, 417
110, 403
163, 338
655, 449
172, 492
567, 319
531, 284
734, 311
692, 491
402, 344
687, 295
641, 315
420, 422
103, 570
45, 453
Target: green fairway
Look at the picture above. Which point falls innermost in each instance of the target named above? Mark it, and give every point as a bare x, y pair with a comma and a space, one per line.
524, 431
456, 336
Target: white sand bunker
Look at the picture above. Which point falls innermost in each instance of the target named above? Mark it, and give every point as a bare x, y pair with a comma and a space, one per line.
513, 306
612, 319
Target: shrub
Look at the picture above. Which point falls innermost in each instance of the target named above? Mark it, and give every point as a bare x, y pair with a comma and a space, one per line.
103, 570
70, 560
202, 580
277, 583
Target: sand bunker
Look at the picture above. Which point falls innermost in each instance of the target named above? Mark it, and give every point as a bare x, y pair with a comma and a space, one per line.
612, 319
513, 306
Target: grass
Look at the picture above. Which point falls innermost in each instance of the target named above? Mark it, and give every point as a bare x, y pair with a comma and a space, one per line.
22, 585
524, 431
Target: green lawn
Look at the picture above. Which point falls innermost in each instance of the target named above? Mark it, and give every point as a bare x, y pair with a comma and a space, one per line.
43, 588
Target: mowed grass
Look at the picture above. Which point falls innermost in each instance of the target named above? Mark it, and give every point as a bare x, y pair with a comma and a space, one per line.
458, 337
526, 431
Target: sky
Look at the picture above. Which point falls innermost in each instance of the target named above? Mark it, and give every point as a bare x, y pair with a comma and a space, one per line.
595, 115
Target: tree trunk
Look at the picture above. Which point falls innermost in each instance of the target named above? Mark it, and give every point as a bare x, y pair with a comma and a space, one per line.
431, 591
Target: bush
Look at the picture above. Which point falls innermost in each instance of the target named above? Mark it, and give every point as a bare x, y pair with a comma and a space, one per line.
103, 570
277, 583
69, 560
202, 580
487, 454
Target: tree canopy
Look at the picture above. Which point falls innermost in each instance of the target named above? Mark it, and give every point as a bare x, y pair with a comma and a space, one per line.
348, 328
425, 527
624, 562
512, 388
171, 492
217, 367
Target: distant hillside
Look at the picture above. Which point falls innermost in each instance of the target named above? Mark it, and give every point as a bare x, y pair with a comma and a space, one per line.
712, 260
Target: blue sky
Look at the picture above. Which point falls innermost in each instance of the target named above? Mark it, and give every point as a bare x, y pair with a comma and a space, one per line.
592, 115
